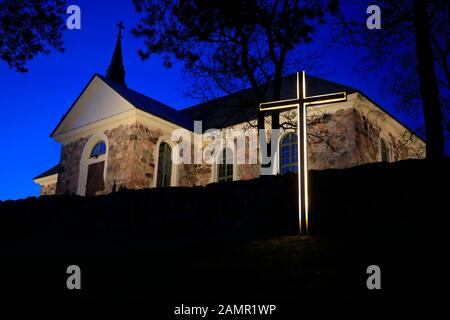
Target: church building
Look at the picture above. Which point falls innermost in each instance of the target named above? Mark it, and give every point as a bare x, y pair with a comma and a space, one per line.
113, 137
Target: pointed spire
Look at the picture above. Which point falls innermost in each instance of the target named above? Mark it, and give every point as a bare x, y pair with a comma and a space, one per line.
116, 70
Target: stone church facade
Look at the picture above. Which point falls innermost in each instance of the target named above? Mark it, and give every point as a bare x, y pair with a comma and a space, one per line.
113, 137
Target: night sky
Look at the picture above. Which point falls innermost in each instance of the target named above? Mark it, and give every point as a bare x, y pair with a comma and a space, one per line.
32, 103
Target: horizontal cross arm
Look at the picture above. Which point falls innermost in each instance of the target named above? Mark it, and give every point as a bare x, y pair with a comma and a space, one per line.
282, 104
326, 98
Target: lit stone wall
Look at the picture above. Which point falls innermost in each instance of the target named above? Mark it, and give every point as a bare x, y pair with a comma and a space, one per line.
340, 138
69, 168
331, 144
331, 140
131, 162
48, 189
401, 143
367, 139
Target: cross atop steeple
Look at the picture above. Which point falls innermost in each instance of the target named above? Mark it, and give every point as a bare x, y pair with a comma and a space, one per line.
116, 70
121, 27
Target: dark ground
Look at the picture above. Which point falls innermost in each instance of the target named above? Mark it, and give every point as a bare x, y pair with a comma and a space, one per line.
236, 242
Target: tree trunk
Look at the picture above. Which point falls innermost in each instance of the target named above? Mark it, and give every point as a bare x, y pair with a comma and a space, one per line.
275, 115
276, 94
429, 89
275, 97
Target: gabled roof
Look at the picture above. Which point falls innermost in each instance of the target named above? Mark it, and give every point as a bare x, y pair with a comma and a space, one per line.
150, 105
140, 102
241, 106
49, 172
218, 113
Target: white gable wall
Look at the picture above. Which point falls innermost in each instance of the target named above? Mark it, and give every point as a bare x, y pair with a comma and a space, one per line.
97, 102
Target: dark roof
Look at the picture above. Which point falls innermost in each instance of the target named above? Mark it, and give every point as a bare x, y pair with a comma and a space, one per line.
49, 172
241, 106
150, 105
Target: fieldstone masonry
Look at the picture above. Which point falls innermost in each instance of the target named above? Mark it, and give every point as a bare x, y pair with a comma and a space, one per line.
368, 142
341, 139
131, 157
48, 190
367, 139
331, 141
69, 169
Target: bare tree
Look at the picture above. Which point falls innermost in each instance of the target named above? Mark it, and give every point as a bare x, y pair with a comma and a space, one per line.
411, 52
230, 45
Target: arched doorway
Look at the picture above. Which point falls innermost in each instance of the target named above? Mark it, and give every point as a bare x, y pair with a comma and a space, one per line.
95, 168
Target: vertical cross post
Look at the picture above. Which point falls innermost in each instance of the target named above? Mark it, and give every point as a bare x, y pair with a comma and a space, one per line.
301, 103
302, 156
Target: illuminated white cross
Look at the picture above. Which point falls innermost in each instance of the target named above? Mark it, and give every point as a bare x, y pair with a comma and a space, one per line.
301, 102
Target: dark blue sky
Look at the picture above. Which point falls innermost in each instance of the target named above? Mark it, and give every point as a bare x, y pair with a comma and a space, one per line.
31, 104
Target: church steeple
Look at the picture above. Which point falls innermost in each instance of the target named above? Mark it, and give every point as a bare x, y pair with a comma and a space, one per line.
116, 70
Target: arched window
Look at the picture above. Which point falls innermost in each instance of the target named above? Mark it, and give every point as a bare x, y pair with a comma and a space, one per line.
98, 149
164, 174
225, 169
288, 155
384, 151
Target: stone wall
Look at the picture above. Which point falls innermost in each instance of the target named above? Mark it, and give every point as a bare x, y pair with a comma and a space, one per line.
202, 174
367, 139
131, 162
144, 142
185, 175
331, 140
331, 145
69, 169
190, 175
247, 171
120, 157
406, 147
402, 146
343, 139
132, 156
48, 190
340, 139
